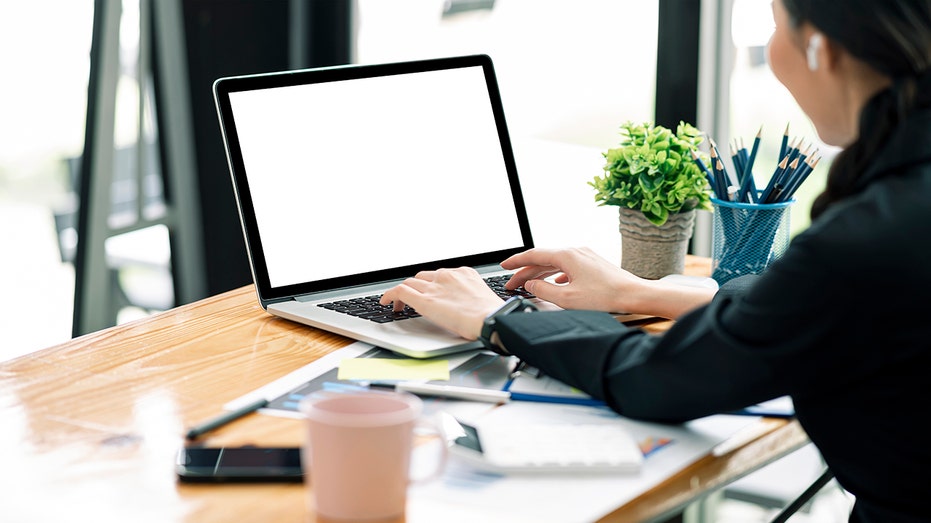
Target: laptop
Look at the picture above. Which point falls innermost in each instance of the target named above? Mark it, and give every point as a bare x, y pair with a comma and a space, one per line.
350, 179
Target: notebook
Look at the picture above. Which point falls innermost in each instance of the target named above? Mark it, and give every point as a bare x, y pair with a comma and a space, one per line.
349, 179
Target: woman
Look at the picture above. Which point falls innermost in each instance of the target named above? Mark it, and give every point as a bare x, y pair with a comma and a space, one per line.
839, 323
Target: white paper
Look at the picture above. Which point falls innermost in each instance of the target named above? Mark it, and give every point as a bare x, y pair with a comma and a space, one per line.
464, 493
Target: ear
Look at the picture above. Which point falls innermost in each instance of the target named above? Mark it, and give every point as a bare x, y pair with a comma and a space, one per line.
811, 52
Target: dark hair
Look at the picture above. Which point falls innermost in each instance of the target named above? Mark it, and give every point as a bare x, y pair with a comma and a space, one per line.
894, 38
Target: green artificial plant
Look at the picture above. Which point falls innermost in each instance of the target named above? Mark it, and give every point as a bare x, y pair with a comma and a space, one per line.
652, 169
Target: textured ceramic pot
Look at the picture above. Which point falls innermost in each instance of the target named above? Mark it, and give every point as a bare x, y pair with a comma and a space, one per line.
652, 251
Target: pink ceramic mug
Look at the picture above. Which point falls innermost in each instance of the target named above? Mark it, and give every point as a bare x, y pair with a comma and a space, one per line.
358, 452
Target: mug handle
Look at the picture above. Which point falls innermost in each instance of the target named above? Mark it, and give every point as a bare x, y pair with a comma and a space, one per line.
431, 427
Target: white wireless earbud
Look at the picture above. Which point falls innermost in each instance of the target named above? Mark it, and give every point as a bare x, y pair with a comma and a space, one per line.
814, 45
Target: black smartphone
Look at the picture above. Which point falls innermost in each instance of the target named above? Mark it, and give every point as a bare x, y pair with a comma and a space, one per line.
239, 464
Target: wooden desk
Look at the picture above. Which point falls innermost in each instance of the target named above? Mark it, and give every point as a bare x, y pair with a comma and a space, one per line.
89, 428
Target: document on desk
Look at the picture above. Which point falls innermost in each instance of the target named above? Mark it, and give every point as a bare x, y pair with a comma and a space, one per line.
466, 494
484, 496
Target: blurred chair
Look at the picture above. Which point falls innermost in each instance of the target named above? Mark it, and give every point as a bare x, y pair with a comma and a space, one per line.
136, 207
803, 498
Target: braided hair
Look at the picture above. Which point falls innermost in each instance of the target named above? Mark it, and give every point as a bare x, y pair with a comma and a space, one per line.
894, 38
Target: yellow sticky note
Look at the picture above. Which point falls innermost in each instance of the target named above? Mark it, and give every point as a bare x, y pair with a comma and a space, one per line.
392, 369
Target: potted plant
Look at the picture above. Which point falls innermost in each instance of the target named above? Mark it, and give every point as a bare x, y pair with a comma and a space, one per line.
653, 179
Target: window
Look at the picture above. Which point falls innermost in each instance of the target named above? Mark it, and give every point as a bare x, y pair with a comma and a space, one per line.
758, 99
44, 93
568, 71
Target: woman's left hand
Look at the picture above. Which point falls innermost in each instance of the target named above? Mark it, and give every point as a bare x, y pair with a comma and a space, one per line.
455, 299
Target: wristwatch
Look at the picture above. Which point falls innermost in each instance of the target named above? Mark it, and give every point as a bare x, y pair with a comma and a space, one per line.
513, 304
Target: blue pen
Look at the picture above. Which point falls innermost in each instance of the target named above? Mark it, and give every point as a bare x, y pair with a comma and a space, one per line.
762, 412
542, 398
565, 400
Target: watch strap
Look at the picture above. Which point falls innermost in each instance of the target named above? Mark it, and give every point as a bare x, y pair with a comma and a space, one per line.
513, 304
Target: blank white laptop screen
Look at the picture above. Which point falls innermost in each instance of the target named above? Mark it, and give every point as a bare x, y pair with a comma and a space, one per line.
348, 177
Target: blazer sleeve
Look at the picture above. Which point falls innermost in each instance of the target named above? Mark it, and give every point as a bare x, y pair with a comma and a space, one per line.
679, 376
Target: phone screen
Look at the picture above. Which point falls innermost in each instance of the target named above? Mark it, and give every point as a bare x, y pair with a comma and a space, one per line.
213, 464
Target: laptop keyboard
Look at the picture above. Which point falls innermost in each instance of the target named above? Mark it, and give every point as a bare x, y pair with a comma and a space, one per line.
367, 307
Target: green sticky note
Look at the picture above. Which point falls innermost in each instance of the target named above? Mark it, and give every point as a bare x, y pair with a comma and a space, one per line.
392, 369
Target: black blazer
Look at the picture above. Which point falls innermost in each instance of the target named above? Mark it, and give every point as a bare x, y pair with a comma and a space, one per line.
841, 323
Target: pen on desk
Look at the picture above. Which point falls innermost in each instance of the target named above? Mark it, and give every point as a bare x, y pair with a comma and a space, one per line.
489, 396
454, 392
223, 419
514, 374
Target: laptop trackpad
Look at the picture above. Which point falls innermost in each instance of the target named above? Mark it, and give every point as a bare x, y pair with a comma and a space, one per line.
418, 326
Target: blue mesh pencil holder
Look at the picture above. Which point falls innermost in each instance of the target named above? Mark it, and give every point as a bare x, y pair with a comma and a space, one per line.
747, 237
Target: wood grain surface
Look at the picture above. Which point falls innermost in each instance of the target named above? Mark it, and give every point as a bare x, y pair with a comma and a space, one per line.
89, 428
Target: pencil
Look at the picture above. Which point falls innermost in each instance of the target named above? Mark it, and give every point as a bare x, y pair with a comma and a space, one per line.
720, 188
747, 183
800, 177
704, 169
223, 419
774, 178
737, 160
775, 196
721, 176
794, 149
785, 143
742, 152
794, 176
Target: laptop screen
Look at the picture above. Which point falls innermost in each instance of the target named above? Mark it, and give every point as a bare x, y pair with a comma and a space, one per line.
352, 175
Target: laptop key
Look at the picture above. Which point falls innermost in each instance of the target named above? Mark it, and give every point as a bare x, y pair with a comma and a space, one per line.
367, 307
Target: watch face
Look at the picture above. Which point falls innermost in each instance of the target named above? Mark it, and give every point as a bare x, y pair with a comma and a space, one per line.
511, 305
